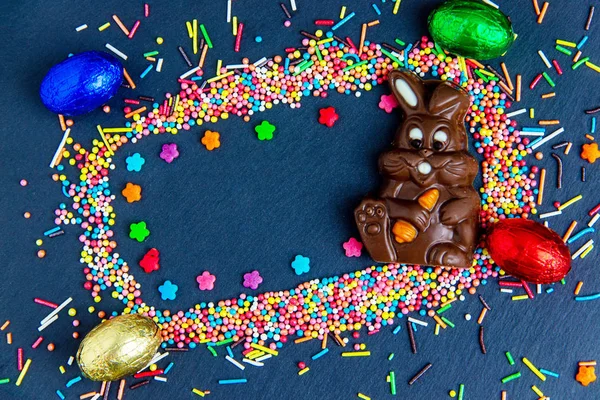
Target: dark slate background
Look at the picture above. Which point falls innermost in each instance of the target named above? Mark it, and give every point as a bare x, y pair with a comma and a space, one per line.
255, 205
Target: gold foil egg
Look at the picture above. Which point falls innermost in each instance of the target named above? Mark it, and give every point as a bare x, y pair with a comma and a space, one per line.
118, 347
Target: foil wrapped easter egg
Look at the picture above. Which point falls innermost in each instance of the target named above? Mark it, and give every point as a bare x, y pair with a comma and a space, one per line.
118, 347
471, 28
528, 250
81, 83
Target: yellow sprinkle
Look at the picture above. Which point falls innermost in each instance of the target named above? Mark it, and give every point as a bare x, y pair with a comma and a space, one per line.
219, 65
255, 354
520, 297
198, 392
62, 369
325, 40
592, 66
565, 43
396, 7
586, 252
568, 148
188, 25
363, 396
116, 130
23, 372
195, 36
104, 139
356, 354
534, 369
216, 78
265, 349
569, 202
103, 27
234, 25
537, 391
531, 113
303, 371
437, 329
343, 12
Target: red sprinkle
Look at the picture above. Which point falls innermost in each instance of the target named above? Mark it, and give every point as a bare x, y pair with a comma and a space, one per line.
324, 22
148, 373
535, 81
37, 342
510, 284
131, 101
594, 210
557, 66
527, 289
20, 358
45, 303
134, 29
238, 38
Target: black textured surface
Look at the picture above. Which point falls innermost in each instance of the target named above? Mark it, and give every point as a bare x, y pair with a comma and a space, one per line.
255, 205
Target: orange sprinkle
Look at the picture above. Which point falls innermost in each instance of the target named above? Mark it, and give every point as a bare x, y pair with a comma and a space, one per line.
363, 34
138, 111
542, 13
61, 120
123, 27
128, 78
324, 342
121, 389
577, 55
9, 338
211, 140
541, 187
548, 95
203, 56
569, 231
507, 76
590, 152
5, 325
482, 315
578, 288
506, 88
479, 65
373, 23
303, 339
536, 7
440, 322
589, 137
568, 148
518, 98
586, 375
548, 122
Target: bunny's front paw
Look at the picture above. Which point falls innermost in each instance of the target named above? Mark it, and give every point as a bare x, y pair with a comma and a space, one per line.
373, 222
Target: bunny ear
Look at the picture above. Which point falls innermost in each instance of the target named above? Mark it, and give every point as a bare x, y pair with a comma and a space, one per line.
408, 89
449, 101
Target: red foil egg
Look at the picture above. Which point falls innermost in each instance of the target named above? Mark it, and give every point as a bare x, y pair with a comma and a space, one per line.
528, 250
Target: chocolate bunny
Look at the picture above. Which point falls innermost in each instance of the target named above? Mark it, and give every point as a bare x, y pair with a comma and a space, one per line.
427, 208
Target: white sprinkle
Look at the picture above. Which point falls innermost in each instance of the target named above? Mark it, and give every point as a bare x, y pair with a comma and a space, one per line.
259, 62
190, 72
236, 66
417, 321
48, 323
116, 51
57, 309
293, 4
582, 249
263, 358
236, 363
159, 65
81, 27
252, 362
491, 4
60, 147
503, 290
71, 359
160, 378
593, 220
468, 317
531, 133
228, 11
516, 112
544, 59
157, 357
96, 396
548, 138
539, 288
550, 214
546, 224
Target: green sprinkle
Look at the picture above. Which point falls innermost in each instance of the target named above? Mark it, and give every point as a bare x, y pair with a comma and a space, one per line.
150, 53
222, 342
446, 320
319, 56
563, 50
482, 76
349, 67
210, 348
440, 50
444, 309
391, 357
390, 55
205, 34
305, 66
461, 391
393, 382
509, 357
3, 381
548, 79
400, 42
563, 281
578, 64
511, 377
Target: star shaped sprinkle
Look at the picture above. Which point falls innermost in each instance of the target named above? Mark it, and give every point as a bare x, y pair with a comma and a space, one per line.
206, 281
150, 261
168, 290
138, 231
135, 162
328, 116
301, 265
169, 152
388, 103
265, 130
590, 152
252, 280
353, 247
132, 192
211, 140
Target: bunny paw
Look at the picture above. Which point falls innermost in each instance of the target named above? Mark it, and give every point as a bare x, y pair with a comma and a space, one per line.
374, 225
448, 255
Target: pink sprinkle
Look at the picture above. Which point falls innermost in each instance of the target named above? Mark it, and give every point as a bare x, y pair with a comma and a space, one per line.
146, 10
388, 103
206, 281
353, 247
252, 280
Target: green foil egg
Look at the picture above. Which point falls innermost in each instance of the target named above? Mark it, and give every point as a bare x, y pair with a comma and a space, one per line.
471, 28
118, 347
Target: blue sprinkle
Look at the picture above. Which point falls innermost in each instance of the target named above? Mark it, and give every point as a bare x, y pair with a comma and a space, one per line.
593, 124
168, 368
73, 381
376, 9
397, 329
59, 393
587, 298
148, 69
342, 22
546, 372
580, 234
258, 39
230, 352
582, 42
231, 381
320, 354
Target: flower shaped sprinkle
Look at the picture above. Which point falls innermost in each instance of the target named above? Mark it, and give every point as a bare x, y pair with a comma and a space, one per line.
206, 281
169, 152
138, 231
388, 103
265, 130
135, 162
132, 192
328, 116
211, 140
252, 280
168, 290
353, 247
590, 152
301, 264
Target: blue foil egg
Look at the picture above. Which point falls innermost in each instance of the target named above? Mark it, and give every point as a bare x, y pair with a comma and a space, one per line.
81, 83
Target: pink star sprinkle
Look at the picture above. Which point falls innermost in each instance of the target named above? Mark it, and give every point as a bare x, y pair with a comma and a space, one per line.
206, 281
388, 103
252, 280
353, 247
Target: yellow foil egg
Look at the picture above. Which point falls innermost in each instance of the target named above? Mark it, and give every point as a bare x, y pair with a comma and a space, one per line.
118, 347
